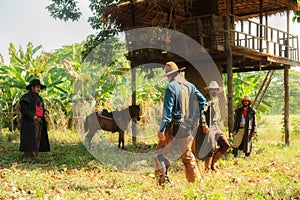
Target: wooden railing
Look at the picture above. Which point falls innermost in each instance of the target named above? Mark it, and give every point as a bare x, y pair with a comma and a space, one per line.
265, 39
209, 30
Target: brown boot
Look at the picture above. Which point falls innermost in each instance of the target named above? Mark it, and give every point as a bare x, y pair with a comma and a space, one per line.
200, 170
207, 164
162, 178
216, 157
192, 173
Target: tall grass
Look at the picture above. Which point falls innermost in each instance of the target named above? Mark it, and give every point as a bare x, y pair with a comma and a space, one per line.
70, 172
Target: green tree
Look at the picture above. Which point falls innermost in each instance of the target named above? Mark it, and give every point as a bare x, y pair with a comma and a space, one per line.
65, 10
26, 65
294, 91
246, 84
296, 17
68, 10
275, 93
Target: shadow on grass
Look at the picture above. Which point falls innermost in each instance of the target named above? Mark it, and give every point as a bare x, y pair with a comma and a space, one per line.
62, 155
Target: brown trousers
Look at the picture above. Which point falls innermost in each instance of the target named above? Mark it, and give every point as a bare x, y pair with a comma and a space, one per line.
186, 147
222, 141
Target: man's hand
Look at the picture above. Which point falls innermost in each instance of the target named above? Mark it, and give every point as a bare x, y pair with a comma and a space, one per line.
161, 136
205, 129
234, 132
253, 134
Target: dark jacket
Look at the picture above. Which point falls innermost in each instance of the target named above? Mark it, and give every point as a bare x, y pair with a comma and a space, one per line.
250, 126
28, 140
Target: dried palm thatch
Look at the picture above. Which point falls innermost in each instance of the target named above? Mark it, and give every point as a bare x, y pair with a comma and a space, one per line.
164, 12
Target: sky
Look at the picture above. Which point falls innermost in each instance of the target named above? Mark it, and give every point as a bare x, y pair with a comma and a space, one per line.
23, 21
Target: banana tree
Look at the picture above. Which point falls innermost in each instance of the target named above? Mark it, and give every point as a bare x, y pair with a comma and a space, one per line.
247, 84
23, 67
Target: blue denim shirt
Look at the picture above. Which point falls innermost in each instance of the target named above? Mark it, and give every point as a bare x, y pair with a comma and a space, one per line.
173, 103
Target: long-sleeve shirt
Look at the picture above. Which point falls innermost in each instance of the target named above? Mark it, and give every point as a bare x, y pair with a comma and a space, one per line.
172, 108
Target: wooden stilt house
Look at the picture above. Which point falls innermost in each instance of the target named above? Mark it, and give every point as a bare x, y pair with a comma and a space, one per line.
227, 31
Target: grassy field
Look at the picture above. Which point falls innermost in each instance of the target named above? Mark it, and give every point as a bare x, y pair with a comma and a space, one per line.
70, 172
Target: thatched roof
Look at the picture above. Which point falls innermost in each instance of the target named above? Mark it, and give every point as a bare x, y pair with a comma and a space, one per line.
162, 12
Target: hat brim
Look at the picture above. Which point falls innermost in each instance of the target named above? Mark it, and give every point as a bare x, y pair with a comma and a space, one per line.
28, 87
177, 70
220, 89
250, 101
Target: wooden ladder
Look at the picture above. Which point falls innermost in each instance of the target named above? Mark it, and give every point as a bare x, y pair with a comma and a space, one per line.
262, 90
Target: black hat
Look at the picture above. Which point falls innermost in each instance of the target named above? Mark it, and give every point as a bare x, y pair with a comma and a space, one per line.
33, 83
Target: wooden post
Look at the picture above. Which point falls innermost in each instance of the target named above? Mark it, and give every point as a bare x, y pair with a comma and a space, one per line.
133, 79
132, 14
286, 90
286, 105
12, 117
229, 67
133, 89
1, 121
266, 34
287, 47
260, 24
297, 52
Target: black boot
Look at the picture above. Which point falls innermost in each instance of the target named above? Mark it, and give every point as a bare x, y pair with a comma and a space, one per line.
235, 152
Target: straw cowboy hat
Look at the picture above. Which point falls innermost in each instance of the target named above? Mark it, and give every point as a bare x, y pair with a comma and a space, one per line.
247, 98
171, 67
214, 85
33, 83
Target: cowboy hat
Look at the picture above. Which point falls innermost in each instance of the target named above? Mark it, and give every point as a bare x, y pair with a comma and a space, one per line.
171, 67
247, 98
214, 85
33, 83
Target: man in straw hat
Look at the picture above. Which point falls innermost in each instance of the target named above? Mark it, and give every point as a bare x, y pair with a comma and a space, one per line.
211, 132
34, 136
244, 128
182, 108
